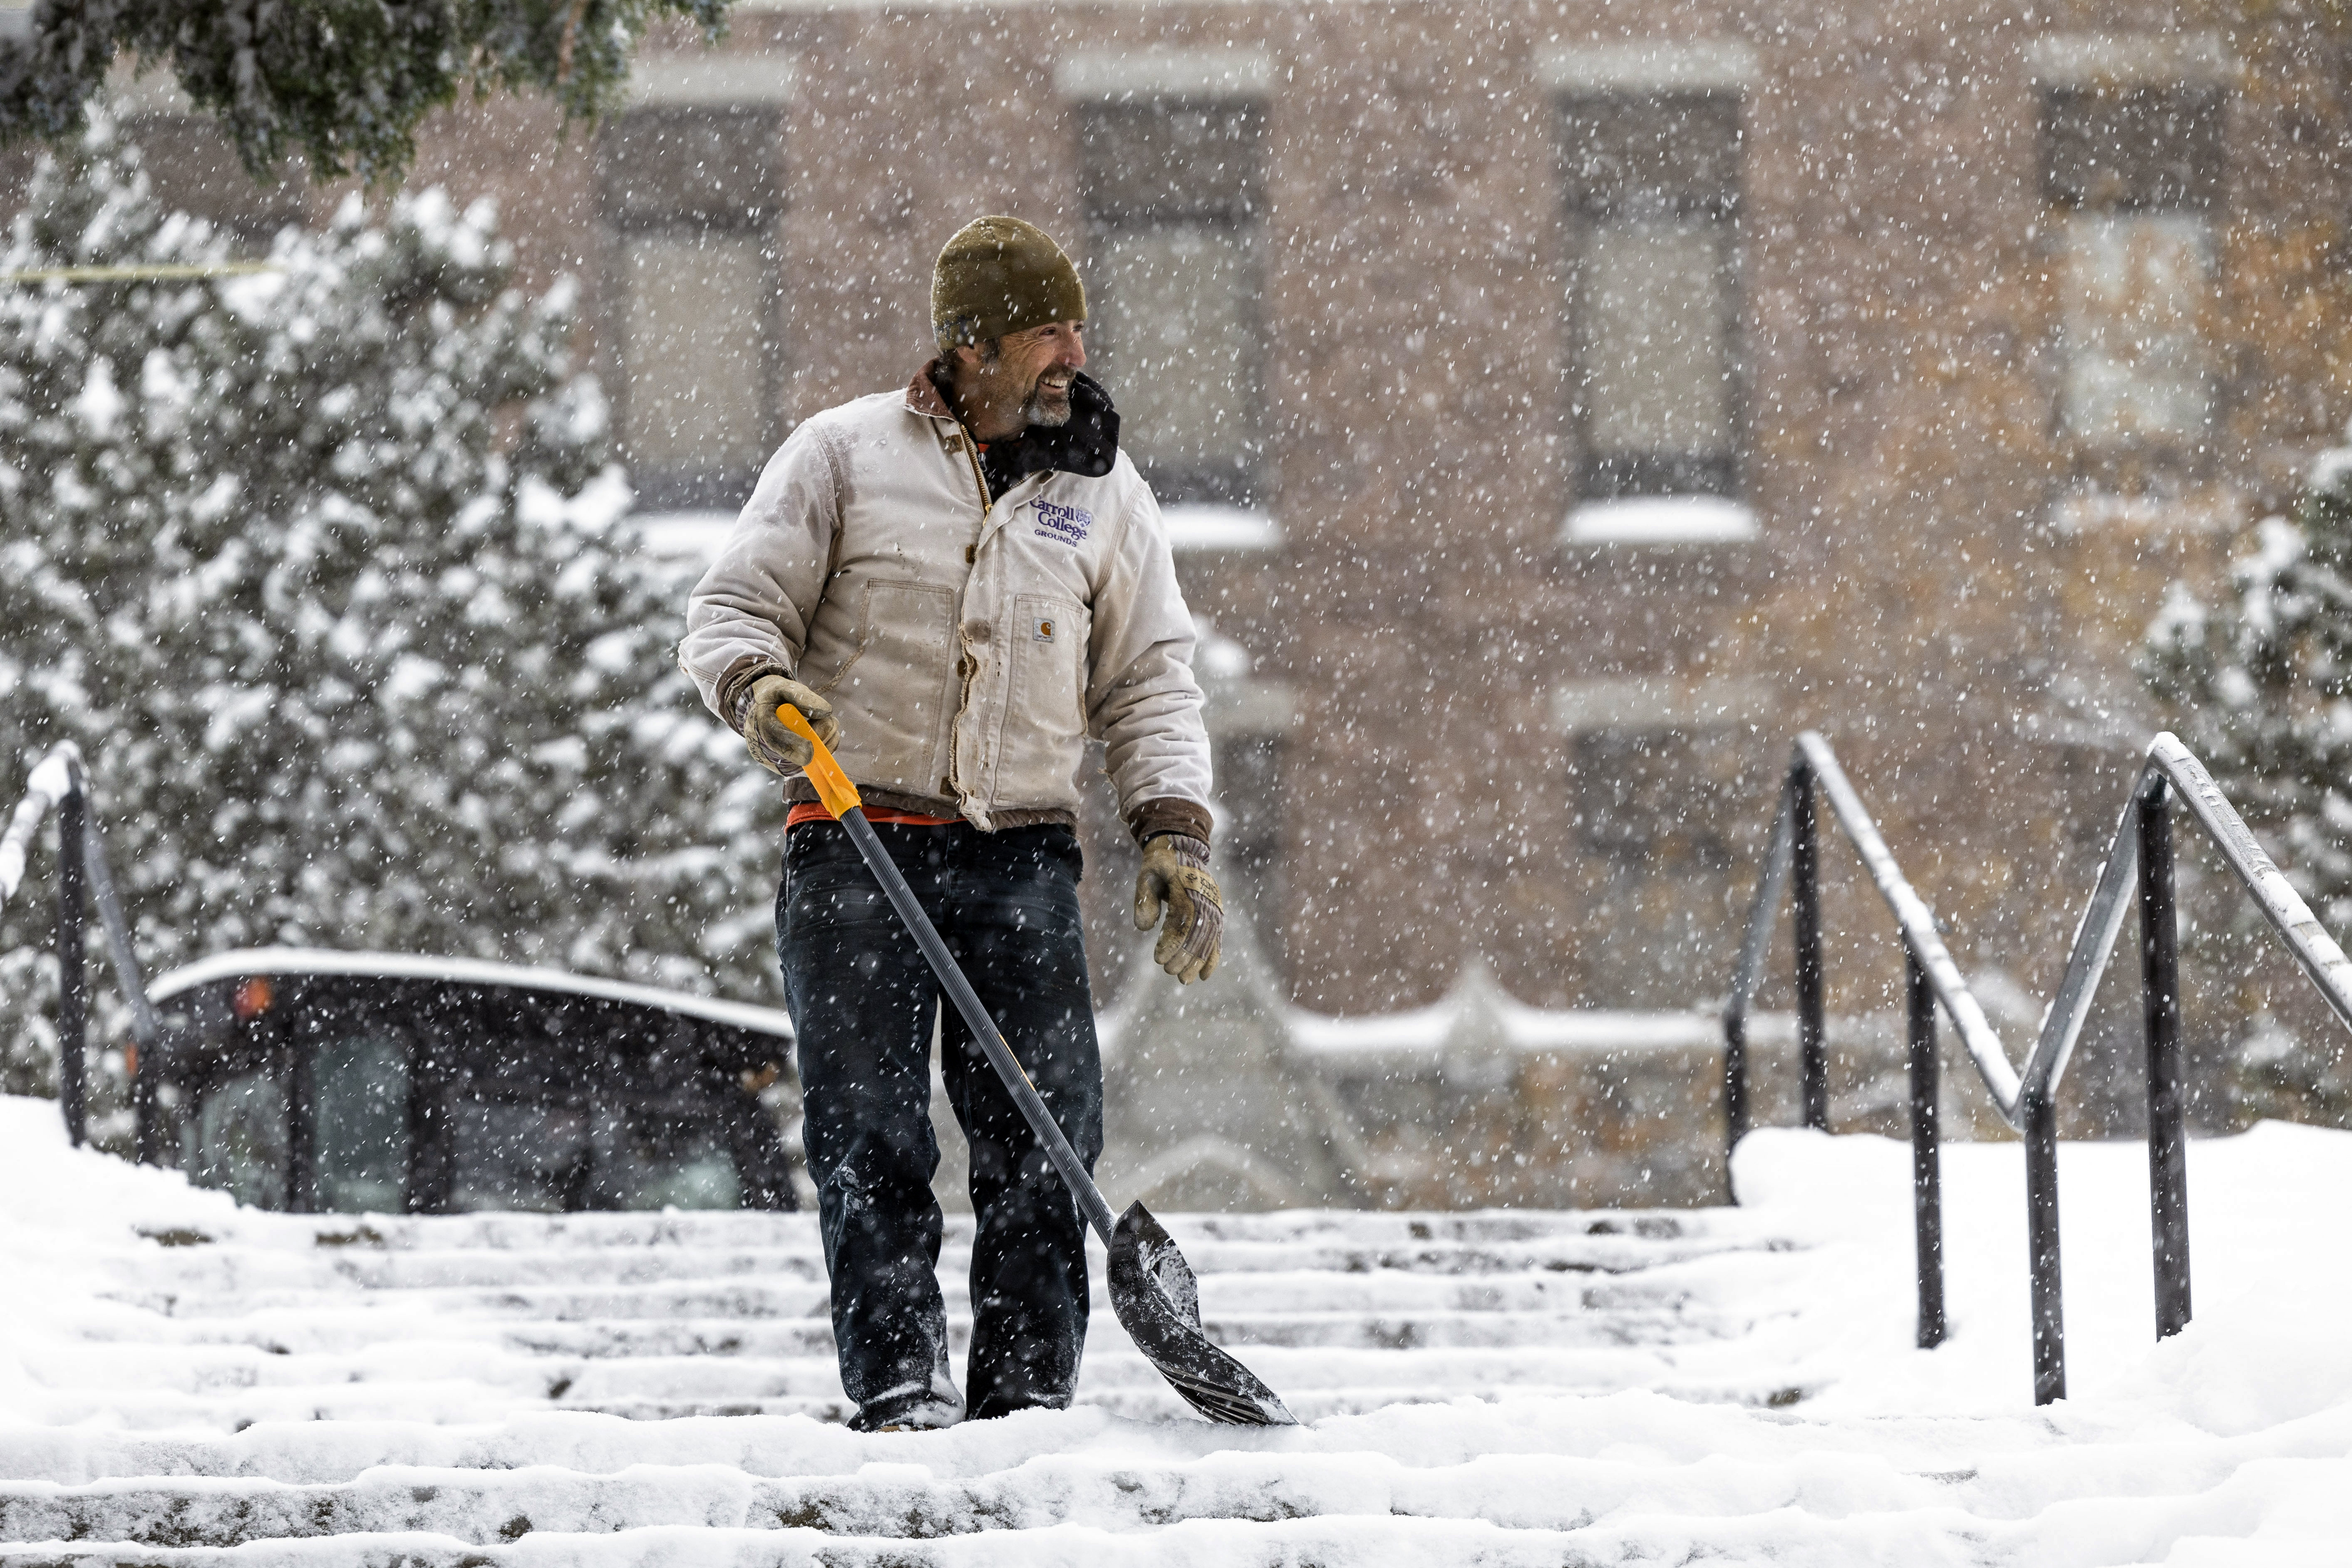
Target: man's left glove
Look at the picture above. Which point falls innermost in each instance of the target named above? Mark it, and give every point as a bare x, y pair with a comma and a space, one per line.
1176, 874
771, 745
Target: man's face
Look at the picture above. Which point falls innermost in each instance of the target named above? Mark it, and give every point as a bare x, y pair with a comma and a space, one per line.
1032, 370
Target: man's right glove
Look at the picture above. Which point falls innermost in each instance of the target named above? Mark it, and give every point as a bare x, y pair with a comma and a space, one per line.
1176, 873
771, 745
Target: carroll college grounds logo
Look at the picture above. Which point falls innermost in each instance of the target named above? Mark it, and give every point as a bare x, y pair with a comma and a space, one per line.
1066, 523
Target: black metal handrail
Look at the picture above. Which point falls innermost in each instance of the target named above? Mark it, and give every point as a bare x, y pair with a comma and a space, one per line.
60, 784
2140, 852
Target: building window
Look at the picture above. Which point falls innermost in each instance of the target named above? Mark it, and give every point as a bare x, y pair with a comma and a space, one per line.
1653, 196
1170, 187
1663, 817
1669, 785
1248, 717
2135, 175
1662, 803
691, 197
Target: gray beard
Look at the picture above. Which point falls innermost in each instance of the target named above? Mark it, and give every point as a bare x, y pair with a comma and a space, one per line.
1035, 412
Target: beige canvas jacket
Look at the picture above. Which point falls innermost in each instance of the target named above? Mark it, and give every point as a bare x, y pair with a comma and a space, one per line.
970, 648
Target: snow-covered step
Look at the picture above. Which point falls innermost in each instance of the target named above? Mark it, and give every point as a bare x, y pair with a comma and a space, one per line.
535, 1287
151, 1389
1344, 1329
259, 1267
287, 1345
1152, 1401
479, 1508
1393, 1312
1505, 1388
553, 1303
484, 1318
240, 1270
266, 1358
739, 1230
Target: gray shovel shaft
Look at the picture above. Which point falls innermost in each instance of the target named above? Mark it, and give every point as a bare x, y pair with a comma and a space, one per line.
983, 1029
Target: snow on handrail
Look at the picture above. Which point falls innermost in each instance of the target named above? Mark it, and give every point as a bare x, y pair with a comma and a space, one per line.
2028, 1102
145, 1027
1919, 924
54, 779
2314, 949
2171, 763
1811, 757
1778, 852
59, 776
2168, 763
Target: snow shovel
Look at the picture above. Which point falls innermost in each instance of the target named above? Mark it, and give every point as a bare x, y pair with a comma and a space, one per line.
1152, 1287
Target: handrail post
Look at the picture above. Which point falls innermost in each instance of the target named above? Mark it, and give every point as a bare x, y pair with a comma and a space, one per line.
1927, 1156
2040, 1128
301, 1127
1755, 945
73, 997
146, 1113
2168, 1159
1805, 886
1735, 1082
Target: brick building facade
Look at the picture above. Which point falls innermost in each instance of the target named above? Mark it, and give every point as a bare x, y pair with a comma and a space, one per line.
1557, 410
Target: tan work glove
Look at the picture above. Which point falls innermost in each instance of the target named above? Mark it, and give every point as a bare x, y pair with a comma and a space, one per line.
771, 745
1176, 874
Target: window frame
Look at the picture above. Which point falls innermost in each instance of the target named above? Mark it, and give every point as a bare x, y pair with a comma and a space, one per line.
2193, 181
1241, 480
626, 216
1584, 212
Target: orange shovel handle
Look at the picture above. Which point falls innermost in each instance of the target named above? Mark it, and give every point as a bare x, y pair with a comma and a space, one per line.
832, 785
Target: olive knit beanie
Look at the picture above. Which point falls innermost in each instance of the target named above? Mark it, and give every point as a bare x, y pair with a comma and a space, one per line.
999, 275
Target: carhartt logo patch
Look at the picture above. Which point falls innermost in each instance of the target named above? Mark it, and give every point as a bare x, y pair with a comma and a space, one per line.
1067, 524
1041, 630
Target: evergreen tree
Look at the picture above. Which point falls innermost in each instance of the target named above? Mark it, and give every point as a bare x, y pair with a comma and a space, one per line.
2260, 687
345, 85
319, 568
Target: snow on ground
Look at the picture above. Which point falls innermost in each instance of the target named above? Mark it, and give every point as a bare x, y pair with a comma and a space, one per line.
1744, 1390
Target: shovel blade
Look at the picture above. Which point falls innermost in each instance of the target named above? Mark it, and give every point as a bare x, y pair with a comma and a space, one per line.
1159, 1304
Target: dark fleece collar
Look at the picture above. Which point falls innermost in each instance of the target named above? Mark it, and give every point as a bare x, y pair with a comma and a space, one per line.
1088, 445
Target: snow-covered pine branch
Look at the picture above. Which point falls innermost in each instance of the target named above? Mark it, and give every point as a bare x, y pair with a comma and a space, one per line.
2261, 685
320, 569
344, 86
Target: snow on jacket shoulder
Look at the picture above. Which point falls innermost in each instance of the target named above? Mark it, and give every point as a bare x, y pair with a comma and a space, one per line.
970, 649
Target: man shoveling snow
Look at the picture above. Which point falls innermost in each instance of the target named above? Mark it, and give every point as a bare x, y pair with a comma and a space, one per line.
957, 585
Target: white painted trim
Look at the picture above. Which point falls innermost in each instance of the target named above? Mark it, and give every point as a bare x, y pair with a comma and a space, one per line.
464, 971
2130, 59
1655, 521
2206, 508
1663, 702
1099, 75
1195, 527
713, 80
1652, 65
1414, 1042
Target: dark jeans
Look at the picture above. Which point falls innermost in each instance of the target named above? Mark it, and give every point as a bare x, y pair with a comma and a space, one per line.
862, 1000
